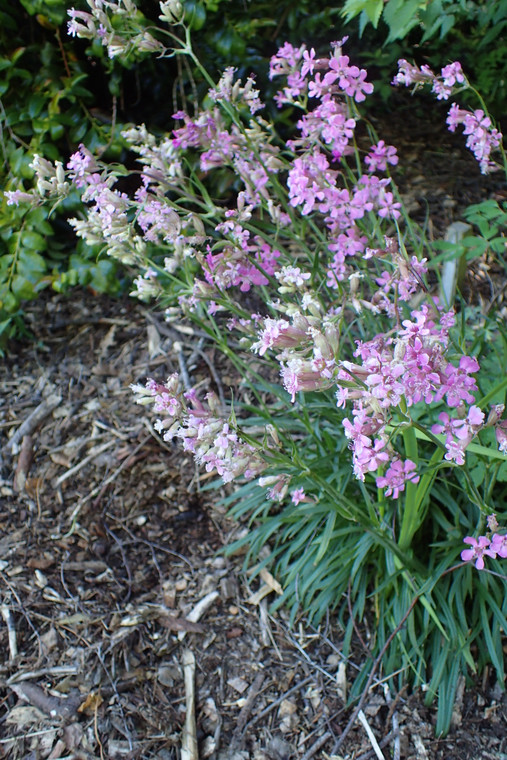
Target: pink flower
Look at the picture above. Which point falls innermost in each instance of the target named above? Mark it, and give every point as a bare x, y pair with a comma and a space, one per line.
499, 544
478, 551
297, 495
501, 436
396, 476
379, 156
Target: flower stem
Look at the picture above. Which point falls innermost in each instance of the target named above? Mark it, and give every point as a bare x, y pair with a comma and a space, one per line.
409, 520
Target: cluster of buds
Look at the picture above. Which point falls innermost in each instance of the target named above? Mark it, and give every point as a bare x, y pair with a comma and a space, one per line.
203, 428
97, 24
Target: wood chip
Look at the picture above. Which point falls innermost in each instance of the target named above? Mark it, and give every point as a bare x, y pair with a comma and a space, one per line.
198, 611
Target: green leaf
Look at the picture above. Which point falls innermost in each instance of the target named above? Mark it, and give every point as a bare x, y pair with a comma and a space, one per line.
371, 8
33, 241
401, 16
22, 288
326, 537
36, 104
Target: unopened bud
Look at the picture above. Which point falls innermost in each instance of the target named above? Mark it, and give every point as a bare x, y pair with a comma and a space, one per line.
495, 413
171, 11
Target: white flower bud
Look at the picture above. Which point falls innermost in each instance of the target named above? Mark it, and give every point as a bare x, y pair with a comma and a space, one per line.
171, 11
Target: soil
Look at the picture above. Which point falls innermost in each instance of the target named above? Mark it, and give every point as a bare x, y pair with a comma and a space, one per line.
125, 632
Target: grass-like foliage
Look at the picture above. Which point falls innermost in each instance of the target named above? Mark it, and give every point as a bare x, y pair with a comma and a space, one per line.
369, 440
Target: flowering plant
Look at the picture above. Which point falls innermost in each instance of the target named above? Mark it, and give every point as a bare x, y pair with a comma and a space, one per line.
377, 449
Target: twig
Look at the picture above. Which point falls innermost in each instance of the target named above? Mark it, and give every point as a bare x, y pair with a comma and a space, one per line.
237, 739
53, 706
318, 744
394, 716
96, 729
11, 630
385, 741
183, 367
58, 670
124, 560
24, 612
307, 656
373, 670
189, 749
198, 611
33, 421
280, 699
94, 452
24, 463
152, 545
126, 731
371, 735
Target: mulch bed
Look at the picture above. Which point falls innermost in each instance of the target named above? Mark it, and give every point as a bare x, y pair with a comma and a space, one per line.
112, 579
125, 632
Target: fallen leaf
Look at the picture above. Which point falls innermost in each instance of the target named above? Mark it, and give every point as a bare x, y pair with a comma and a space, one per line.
91, 704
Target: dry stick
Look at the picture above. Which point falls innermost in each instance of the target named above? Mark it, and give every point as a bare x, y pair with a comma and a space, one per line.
24, 463
124, 560
280, 699
318, 744
237, 739
126, 730
33, 420
371, 735
11, 630
189, 750
58, 670
394, 716
151, 544
183, 367
94, 453
24, 612
385, 741
366, 689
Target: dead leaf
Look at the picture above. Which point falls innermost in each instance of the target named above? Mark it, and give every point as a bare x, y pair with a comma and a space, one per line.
91, 704
22, 716
40, 563
238, 684
173, 623
53, 706
107, 341
153, 342
270, 580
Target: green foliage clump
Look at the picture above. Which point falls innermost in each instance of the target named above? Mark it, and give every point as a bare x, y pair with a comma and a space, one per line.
436, 31
46, 109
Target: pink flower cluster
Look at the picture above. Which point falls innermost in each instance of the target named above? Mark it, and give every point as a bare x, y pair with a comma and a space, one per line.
99, 24
451, 76
492, 545
244, 264
401, 370
482, 137
460, 432
228, 91
203, 429
325, 135
340, 76
307, 349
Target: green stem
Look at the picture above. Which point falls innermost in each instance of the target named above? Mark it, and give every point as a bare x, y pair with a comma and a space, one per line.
409, 520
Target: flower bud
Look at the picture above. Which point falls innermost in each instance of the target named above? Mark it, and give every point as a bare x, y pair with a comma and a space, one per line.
171, 11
